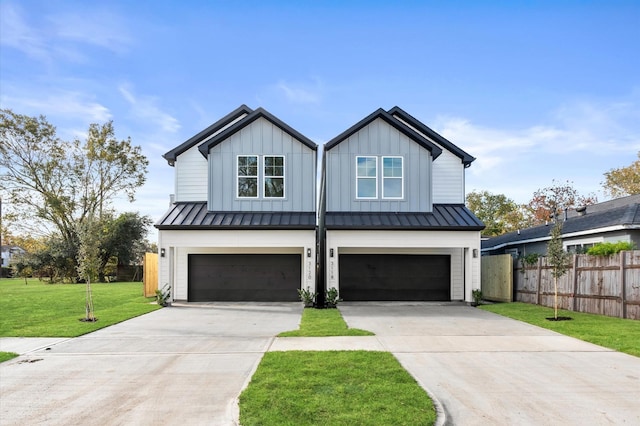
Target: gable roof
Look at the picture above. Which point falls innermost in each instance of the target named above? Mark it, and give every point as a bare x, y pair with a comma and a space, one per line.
206, 133
404, 129
625, 217
253, 116
440, 140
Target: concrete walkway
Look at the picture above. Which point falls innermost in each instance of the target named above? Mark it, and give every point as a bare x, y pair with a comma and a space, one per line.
187, 364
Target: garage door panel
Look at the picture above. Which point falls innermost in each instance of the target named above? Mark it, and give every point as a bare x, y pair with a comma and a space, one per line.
379, 277
244, 277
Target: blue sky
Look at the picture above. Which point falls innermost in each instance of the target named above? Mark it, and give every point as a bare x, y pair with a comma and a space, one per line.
536, 91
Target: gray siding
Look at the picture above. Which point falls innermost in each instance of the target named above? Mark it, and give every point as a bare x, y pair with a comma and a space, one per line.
262, 138
379, 139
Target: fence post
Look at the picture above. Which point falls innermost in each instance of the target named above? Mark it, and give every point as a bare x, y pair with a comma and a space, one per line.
539, 280
575, 282
623, 293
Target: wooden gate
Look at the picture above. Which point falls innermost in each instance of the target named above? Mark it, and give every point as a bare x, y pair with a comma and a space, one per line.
497, 277
150, 273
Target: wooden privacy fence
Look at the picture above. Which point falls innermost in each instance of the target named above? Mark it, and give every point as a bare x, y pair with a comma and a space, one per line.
605, 285
150, 274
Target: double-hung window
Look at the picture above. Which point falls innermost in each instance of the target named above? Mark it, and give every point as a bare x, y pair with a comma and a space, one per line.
392, 177
247, 176
366, 177
273, 176
250, 175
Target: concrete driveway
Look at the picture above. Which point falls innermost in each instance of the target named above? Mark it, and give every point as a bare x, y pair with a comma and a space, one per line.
489, 370
187, 364
182, 365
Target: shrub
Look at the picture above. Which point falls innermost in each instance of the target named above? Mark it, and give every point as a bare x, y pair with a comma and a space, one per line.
607, 249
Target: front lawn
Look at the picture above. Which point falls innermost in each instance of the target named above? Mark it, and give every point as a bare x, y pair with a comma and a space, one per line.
6, 356
39, 309
622, 335
323, 322
334, 388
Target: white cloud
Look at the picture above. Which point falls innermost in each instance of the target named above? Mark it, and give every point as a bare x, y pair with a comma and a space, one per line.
15, 33
145, 108
100, 28
301, 93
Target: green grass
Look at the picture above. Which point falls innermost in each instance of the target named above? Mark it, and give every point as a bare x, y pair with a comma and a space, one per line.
334, 388
622, 335
322, 323
54, 310
6, 356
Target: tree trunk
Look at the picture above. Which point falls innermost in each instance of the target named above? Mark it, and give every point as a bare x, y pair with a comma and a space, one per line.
555, 297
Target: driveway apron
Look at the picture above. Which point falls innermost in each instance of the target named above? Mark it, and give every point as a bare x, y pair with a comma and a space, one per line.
487, 369
180, 365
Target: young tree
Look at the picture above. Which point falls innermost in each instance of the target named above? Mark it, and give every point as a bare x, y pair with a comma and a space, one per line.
557, 259
549, 202
89, 260
499, 213
623, 181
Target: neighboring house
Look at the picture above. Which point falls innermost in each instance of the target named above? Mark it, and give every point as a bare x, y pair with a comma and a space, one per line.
610, 221
242, 223
396, 224
9, 254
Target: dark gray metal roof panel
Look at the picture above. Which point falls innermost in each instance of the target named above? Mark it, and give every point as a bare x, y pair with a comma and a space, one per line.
380, 113
198, 138
624, 216
195, 216
445, 217
439, 139
253, 116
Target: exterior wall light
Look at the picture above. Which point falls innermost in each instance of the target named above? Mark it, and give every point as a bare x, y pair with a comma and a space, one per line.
162, 252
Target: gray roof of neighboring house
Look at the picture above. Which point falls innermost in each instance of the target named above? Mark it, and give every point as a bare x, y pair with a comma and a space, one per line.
195, 216
614, 216
203, 135
412, 121
397, 124
253, 116
445, 217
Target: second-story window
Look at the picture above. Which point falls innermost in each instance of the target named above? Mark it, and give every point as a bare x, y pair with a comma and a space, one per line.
366, 177
247, 176
273, 176
392, 175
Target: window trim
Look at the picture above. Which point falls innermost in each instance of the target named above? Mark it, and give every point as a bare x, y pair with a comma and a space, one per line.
401, 178
358, 177
257, 177
265, 176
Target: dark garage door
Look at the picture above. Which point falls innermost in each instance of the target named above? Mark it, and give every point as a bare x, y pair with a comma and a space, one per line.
244, 277
396, 277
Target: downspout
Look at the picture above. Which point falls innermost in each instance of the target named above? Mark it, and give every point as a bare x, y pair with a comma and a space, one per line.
321, 237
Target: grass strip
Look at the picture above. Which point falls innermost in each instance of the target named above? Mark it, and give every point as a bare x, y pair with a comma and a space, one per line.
38, 309
6, 356
622, 335
323, 323
334, 388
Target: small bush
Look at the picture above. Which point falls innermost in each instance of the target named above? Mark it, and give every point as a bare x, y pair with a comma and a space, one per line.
607, 249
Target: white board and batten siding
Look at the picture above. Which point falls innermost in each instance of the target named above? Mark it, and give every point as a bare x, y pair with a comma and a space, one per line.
465, 269
180, 244
262, 138
448, 174
378, 139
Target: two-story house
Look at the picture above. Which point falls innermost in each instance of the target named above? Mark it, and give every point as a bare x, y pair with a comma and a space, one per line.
392, 224
242, 225
395, 221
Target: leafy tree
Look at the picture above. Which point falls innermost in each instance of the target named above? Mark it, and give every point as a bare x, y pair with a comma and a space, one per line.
62, 184
499, 213
557, 259
549, 202
623, 181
